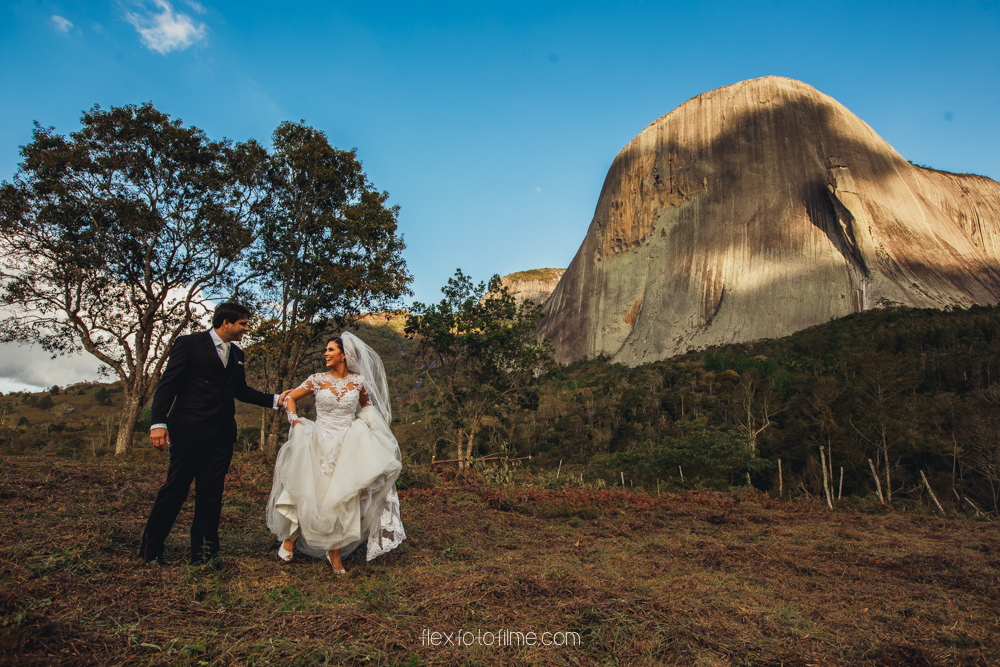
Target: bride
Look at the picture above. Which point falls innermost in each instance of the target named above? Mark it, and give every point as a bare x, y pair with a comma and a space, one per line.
335, 479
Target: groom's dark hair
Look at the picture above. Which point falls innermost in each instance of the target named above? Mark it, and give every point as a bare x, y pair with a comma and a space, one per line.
229, 311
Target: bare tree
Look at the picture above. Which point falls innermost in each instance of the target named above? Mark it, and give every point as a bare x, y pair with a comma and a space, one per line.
883, 381
822, 397
754, 400
981, 442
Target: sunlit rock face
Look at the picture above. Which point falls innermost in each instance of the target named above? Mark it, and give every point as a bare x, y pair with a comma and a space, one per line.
757, 210
536, 284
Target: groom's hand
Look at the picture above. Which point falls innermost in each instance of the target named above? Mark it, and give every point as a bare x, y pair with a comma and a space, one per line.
159, 438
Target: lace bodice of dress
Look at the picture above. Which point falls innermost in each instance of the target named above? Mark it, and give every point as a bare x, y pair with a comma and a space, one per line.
336, 399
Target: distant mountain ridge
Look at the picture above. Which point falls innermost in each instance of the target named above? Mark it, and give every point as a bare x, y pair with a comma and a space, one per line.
757, 210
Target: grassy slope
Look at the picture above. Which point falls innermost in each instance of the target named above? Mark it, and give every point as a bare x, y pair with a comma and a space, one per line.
690, 579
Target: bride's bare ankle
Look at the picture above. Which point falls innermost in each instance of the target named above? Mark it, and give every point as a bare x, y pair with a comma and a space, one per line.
289, 545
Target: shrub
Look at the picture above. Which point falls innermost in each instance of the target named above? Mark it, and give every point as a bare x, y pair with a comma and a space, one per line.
102, 396
145, 419
716, 458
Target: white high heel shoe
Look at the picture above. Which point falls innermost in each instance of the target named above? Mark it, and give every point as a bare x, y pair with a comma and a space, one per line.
335, 570
284, 554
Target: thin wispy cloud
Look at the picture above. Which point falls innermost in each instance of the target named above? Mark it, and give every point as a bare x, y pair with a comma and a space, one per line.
196, 6
163, 30
62, 24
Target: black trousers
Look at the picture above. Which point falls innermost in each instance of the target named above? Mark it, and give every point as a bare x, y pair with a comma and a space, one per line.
206, 465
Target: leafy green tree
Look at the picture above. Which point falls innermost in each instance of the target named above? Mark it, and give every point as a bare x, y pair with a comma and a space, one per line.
114, 238
480, 343
328, 250
102, 396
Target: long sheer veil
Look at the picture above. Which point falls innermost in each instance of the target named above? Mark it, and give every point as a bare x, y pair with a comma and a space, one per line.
365, 361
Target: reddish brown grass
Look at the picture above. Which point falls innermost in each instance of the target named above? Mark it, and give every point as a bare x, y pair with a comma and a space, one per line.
696, 578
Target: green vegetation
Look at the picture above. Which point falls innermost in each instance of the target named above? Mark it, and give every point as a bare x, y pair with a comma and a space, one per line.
116, 239
112, 237
481, 343
327, 248
716, 458
912, 390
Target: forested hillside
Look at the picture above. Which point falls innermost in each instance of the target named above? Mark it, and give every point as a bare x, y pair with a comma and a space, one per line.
909, 389
912, 390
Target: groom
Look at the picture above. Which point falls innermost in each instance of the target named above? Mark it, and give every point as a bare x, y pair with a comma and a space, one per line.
194, 414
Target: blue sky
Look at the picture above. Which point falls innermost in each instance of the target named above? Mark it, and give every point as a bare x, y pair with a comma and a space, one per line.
491, 125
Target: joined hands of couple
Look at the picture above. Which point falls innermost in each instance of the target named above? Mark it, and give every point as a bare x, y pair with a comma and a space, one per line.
160, 439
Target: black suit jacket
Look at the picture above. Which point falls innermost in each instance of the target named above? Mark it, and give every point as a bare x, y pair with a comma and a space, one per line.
195, 394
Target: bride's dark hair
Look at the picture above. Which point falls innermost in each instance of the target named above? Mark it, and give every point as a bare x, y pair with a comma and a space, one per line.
338, 341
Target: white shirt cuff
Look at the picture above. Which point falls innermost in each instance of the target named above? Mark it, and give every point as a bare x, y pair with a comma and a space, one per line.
156, 426
276, 397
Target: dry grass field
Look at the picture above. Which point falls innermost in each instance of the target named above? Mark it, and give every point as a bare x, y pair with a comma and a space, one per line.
696, 578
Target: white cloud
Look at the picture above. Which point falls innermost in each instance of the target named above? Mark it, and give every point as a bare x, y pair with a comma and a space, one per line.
31, 367
61, 24
196, 6
166, 30
25, 366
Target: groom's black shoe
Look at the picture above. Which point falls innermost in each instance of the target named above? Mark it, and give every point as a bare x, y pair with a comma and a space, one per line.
159, 561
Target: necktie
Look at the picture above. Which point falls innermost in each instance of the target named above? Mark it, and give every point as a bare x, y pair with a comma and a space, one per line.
224, 349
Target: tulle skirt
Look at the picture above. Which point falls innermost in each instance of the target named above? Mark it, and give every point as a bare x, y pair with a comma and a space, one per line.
338, 489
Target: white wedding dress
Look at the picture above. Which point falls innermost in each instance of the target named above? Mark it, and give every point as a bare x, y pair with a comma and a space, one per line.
335, 479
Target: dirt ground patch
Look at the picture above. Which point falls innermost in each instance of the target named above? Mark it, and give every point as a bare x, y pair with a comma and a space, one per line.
686, 579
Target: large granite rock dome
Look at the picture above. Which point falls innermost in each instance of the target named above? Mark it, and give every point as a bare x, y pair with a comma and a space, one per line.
760, 209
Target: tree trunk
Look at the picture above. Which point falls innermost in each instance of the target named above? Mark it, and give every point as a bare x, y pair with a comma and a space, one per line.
263, 434
459, 441
273, 421
468, 447
781, 482
826, 481
888, 478
129, 416
878, 485
829, 458
931, 491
